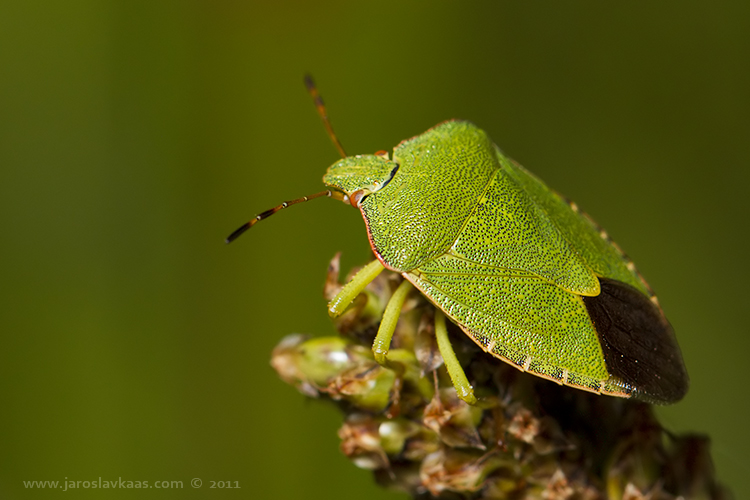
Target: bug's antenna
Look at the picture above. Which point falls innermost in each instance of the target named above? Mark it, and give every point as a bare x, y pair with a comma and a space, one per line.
320, 105
330, 194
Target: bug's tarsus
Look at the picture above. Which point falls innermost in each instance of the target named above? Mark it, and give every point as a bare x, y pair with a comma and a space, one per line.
263, 215
321, 107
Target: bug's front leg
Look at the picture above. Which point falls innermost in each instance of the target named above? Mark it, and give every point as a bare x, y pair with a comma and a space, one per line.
346, 296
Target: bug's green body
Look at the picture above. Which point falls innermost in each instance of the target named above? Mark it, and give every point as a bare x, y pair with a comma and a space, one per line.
517, 267
523, 272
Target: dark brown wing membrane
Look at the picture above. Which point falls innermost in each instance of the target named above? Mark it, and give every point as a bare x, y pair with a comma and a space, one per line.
638, 342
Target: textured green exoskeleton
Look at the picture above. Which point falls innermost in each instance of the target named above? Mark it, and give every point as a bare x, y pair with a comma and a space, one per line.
529, 277
522, 271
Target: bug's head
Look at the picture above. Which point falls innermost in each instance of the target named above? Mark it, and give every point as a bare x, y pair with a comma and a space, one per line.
350, 179
359, 176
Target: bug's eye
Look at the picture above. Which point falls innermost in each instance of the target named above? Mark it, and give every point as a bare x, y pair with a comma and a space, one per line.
356, 197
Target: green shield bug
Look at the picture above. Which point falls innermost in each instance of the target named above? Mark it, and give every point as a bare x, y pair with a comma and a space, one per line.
522, 271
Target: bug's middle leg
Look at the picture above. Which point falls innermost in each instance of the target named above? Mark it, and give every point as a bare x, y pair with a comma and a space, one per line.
388, 323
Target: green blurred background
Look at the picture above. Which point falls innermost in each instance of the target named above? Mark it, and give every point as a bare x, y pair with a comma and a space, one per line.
134, 136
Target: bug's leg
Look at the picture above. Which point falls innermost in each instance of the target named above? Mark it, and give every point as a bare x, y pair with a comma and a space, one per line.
458, 377
388, 324
346, 296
